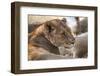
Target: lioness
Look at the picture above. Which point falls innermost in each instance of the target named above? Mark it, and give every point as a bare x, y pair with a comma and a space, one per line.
46, 39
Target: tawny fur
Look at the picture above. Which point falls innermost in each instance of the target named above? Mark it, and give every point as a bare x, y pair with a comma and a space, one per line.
46, 39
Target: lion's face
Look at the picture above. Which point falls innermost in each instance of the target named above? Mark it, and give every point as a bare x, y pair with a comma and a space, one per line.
58, 33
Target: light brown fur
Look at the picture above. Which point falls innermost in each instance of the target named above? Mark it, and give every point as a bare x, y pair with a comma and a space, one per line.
48, 37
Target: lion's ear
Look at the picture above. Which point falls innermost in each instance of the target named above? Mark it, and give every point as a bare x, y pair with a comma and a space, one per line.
64, 20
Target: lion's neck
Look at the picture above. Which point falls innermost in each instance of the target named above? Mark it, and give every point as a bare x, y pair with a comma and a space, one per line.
41, 41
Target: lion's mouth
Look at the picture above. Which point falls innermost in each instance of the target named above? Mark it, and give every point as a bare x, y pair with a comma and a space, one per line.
68, 45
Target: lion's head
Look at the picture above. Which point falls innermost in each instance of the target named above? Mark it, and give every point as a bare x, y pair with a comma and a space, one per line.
58, 33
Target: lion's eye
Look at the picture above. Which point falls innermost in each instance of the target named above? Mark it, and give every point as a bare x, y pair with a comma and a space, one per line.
50, 29
63, 33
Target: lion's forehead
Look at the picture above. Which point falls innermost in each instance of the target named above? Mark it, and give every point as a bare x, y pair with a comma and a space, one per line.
59, 24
